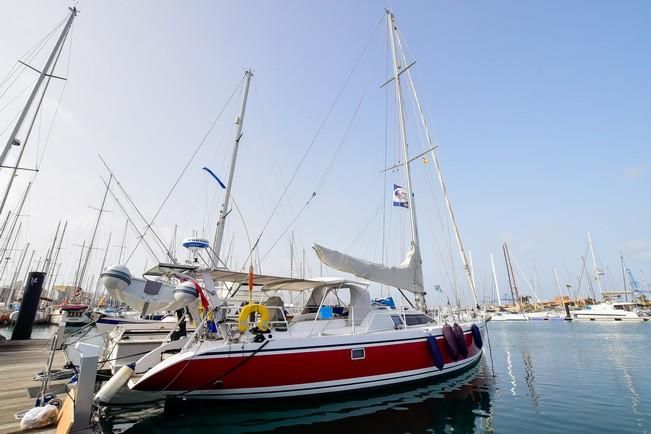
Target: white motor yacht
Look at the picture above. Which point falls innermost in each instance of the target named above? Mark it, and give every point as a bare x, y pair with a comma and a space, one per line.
612, 311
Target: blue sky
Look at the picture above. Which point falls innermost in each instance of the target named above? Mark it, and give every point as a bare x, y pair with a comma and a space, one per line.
541, 111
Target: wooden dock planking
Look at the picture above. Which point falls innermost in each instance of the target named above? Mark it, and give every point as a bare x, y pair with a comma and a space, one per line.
19, 362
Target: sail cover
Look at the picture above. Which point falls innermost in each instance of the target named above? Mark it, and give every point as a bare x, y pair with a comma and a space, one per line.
408, 275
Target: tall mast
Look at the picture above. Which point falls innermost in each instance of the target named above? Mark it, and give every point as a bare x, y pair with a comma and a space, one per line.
82, 273
101, 269
17, 215
448, 205
81, 258
515, 294
291, 255
239, 121
172, 248
46, 72
597, 272
56, 255
621, 258
16, 272
589, 279
50, 252
397, 70
10, 251
4, 225
497, 287
558, 286
124, 237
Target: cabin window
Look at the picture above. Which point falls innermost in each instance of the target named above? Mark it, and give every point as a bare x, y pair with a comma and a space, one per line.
619, 307
357, 353
397, 320
418, 319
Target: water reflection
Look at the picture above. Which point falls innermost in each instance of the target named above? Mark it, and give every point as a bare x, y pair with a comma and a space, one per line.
461, 404
619, 358
509, 371
530, 378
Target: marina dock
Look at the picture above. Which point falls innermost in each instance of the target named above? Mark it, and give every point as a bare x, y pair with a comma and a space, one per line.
19, 362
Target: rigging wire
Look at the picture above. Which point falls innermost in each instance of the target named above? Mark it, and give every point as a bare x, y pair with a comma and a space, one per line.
451, 279
161, 243
31, 126
313, 141
35, 49
467, 266
18, 95
321, 180
11, 123
367, 225
133, 225
39, 161
178, 179
19, 67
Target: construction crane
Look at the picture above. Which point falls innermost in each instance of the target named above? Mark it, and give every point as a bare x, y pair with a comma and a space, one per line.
634, 284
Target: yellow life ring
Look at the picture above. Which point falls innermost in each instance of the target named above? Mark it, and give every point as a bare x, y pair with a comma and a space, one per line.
263, 314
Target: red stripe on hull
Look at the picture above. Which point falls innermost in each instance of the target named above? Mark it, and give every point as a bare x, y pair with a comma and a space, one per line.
268, 369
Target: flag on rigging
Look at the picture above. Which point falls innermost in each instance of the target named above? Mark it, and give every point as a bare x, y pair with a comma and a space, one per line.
400, 197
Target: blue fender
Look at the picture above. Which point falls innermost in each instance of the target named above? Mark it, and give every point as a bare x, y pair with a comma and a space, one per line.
476, 336
436, 352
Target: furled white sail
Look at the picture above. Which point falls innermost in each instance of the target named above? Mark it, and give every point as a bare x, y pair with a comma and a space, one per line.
408, 275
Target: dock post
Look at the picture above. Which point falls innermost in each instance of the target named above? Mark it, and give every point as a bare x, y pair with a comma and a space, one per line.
61, 331
28, 307
85, 385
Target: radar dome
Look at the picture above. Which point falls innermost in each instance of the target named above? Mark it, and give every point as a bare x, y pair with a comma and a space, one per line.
195, 243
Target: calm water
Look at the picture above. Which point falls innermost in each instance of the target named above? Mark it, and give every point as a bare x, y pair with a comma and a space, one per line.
38, 331
550, 376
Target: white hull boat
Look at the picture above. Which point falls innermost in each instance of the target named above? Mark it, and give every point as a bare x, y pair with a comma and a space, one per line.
74, 315
127, 343
612, 311
508, 316
545, 315
312, 354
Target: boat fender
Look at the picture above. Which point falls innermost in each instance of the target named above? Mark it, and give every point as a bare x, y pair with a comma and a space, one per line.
450, 342
108, 390
436, 352
263, 314
476, 336
461, 340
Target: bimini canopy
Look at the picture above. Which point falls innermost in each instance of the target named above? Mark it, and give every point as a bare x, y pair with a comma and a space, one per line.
408, 275
268, 283
360, 299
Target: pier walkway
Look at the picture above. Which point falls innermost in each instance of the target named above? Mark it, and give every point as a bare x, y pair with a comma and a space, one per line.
19, 362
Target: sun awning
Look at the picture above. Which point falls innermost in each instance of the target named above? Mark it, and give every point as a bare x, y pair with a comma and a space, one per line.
268, 283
